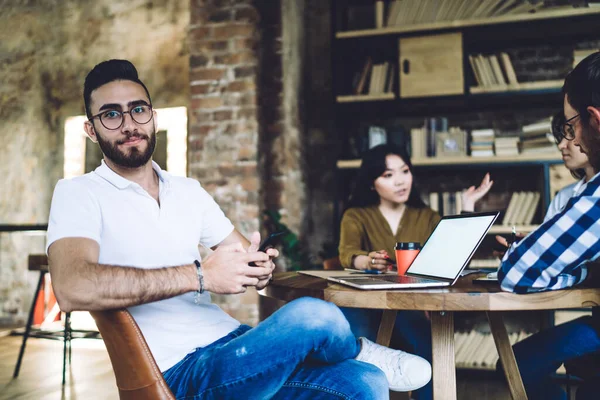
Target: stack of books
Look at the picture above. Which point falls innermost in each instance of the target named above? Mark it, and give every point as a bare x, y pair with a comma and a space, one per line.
521, 208
506, 144
482, 142
538, 138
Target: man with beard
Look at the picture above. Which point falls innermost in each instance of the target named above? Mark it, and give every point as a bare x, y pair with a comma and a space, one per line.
126, 236
558, 254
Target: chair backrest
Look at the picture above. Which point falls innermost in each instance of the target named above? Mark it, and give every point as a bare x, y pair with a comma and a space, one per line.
137, 374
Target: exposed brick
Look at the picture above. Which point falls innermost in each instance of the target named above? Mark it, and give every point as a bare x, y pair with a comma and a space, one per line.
233, 30
204, 88
200, 33
206, 103
218, 45
241, 86
247, 153
200, 131
220, 15
244, 72
248, 99
247, 112
245, 43
223, 115
248, 14
207, 74
199, 60
244, 57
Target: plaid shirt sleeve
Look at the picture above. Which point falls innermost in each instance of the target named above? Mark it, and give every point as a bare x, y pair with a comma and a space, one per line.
553, 256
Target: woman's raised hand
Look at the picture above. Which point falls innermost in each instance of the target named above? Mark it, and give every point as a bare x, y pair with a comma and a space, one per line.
473, 194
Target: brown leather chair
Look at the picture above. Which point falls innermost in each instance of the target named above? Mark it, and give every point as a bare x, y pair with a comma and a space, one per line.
136, 372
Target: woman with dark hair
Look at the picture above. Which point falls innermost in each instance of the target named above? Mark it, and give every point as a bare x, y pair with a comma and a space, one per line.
575, 161
385, 207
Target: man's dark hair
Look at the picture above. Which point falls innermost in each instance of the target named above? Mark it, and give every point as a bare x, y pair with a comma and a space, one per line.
106, 72
582, 88
372, 167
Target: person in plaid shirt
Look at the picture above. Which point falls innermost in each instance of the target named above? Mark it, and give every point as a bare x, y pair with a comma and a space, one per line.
558, 254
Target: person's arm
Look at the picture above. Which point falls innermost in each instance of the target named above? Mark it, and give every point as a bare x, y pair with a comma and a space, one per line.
552, 256
352, 255
473, 194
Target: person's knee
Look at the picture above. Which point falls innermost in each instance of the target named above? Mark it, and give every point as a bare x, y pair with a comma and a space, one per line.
371, 383
314, 314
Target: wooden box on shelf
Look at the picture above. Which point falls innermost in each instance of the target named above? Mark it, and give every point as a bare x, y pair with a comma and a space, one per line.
431, 65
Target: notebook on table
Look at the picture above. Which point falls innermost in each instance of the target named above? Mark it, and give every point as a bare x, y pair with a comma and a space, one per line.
442, 258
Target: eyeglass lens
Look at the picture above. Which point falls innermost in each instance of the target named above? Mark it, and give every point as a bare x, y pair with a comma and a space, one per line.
113, 119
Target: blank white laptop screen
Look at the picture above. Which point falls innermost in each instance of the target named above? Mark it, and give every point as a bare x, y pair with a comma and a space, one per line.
450, 244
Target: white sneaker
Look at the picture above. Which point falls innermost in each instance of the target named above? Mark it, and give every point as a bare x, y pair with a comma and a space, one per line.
404, 371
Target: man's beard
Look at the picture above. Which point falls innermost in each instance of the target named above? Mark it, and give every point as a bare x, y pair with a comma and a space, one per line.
134, 158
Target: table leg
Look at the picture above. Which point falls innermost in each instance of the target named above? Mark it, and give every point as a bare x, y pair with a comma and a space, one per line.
442, 341
386, 326
507, 357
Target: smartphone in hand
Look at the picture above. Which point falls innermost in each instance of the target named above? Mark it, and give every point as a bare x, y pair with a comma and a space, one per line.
268, 243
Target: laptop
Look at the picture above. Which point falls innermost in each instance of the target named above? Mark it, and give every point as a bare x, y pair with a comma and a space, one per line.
442, 258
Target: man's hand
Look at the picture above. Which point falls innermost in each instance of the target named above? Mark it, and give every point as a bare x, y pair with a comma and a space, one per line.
505, 244
269, 264
226, 270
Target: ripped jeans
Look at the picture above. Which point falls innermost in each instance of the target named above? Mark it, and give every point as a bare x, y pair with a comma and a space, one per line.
305, 350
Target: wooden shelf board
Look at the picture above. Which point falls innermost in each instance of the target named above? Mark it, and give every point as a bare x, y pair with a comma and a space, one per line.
366, 97
350, 164
441, 25
521, 87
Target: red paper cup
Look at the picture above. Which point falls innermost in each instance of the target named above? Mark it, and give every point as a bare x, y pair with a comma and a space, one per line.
405, 254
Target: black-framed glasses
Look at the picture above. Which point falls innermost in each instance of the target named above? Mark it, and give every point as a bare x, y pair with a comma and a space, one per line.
569, 129
113, 119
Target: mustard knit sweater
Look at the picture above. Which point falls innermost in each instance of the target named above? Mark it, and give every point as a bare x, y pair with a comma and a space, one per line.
365, 229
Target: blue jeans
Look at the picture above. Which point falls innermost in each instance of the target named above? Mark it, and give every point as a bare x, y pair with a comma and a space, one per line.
541, 354
305, 350
412, 332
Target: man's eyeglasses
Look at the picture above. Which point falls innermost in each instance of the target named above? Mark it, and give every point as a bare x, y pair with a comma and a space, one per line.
113, 119
569, 129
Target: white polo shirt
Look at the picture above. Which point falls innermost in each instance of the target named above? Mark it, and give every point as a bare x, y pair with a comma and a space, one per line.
133, 230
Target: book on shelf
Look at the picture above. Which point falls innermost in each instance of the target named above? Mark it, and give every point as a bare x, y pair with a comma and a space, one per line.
409, 12
482, 143
361, 87
493, 71
521, 208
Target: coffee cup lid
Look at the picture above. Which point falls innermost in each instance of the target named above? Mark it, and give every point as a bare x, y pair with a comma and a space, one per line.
408, 246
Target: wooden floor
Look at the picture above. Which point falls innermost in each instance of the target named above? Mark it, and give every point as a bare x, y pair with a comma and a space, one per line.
91, 377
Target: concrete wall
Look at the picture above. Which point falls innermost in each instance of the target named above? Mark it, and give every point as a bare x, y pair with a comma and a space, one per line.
47, 48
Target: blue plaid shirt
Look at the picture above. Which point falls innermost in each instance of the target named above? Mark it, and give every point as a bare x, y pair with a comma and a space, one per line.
554, 256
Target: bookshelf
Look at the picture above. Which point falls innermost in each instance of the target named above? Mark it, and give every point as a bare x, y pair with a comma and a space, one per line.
466, 103
461, 24
445, 161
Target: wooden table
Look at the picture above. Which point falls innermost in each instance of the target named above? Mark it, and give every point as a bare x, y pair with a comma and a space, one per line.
442, 303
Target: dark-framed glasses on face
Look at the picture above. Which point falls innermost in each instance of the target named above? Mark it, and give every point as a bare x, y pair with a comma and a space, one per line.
113, 119
569, 129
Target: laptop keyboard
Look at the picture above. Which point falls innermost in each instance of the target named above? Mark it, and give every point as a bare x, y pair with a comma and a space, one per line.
405, 279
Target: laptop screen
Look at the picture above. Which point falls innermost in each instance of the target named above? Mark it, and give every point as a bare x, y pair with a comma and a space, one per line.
451, 245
